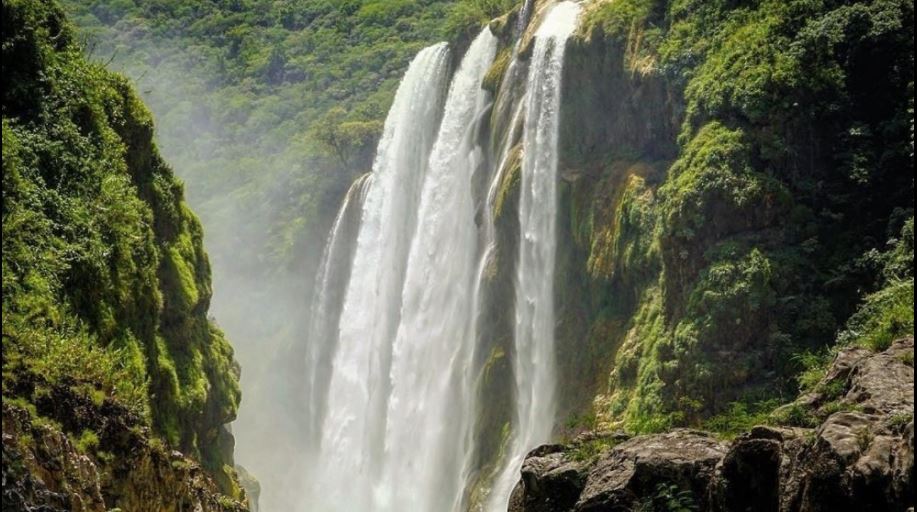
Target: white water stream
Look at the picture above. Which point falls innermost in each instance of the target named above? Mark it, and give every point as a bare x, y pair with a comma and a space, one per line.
348, 464
533, 362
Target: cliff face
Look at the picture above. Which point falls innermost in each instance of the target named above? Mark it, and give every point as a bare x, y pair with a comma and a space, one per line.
105, 287
732, 181
116, 461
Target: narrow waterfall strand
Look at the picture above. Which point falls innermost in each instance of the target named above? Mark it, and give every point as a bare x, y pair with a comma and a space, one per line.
533, 365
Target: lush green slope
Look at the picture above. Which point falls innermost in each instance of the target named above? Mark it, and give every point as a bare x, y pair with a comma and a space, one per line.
106, 285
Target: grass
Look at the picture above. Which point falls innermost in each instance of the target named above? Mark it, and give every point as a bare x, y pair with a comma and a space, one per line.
740, 417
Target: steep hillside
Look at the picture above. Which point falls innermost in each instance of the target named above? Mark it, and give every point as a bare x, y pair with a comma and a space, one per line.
108, 354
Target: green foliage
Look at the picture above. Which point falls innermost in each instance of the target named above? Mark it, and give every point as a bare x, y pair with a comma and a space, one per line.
813, 367
105, 282
494, 76
668, 498
592, 449
888, 314
469, 15
620, 17
884, 317
88, 442
269, 112
795, 415
345, 140
740, 417
714, 191
637, 23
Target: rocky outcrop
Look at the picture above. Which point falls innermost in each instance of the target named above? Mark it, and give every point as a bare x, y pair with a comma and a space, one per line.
108, 461
859, 457
557, 478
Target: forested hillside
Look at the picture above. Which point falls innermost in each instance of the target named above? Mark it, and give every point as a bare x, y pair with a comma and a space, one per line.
107, 350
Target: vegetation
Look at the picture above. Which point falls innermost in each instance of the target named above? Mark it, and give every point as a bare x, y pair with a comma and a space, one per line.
268, 112
668, 498
105, 282
794, 166
719, 271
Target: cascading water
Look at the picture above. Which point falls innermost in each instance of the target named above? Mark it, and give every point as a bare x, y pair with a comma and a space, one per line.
429, 414
333, 274
399, 418
352, 441
533, 364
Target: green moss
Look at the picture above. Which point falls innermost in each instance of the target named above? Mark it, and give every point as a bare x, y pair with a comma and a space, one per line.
494, 76
589, 451
181, 265
634, 22
713, 190
794, 415
622, 227
509, 183
88, 442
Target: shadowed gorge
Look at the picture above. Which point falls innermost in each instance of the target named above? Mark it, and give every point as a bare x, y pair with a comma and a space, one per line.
471, 255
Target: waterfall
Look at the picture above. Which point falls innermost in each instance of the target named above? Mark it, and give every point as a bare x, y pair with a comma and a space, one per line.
525, 14
352, 440
333, 274
533, 364
429, 414
396, 417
